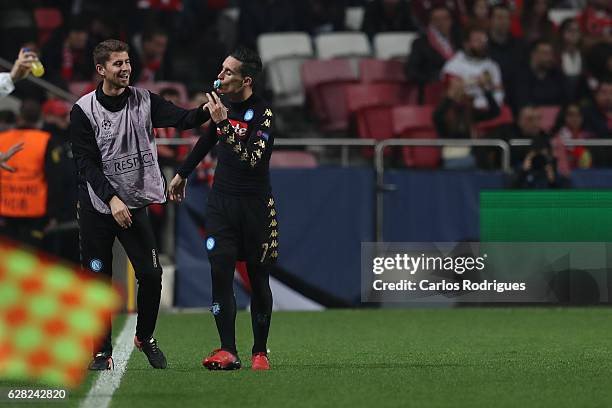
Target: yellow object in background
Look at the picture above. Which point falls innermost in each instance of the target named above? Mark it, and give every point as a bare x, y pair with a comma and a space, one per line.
38, 69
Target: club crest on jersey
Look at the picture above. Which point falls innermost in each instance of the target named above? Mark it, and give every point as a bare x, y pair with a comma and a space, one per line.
210, 243
248, 115
96, 265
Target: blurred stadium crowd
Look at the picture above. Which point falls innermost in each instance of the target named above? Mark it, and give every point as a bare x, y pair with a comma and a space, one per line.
452, 69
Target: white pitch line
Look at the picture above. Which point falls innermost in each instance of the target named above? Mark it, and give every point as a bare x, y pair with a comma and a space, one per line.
101, 393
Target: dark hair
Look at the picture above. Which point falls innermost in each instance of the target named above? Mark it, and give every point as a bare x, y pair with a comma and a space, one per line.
534, 45
474, 28
102, 52
251, 62
30, 111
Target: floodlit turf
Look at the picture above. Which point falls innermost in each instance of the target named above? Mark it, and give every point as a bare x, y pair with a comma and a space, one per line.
521, 357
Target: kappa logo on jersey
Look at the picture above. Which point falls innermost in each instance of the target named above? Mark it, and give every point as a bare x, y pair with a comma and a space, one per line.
240, 128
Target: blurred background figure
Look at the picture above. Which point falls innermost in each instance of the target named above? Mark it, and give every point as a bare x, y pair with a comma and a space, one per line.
32, 196
570, 52
432, 49
539, 168
474, 67
571, 127
387, 15
541, 81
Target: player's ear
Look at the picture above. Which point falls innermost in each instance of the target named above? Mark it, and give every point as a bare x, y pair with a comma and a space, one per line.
100, 69
247, 81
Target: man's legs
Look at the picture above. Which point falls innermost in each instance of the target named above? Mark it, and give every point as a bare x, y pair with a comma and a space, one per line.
139, 244
261, 304
96, 238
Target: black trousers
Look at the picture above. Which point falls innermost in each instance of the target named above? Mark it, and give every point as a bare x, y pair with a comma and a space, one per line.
97, 234
241, 228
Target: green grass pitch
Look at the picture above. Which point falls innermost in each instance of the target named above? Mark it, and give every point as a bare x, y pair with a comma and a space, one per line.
470, 357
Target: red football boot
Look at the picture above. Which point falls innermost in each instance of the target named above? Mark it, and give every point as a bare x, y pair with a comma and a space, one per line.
260, 361
221, 360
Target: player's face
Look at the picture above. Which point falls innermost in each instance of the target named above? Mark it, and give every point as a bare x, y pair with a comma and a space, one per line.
232, 81
117, 69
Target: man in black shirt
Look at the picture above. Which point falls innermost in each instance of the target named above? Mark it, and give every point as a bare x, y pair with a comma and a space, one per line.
112, 139
240, 217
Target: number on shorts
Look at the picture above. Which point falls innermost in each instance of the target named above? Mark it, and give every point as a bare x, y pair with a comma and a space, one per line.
265, 251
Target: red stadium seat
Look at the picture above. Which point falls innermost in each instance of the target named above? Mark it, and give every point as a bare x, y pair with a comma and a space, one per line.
360, 96
47, 20
549, 116
505, 118
388, 71
415, 122
325, 82
377, 70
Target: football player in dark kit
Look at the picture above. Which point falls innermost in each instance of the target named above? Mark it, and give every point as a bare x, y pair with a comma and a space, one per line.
240, 216
111, 132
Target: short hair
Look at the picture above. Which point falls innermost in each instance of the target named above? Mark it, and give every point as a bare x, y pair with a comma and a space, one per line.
251, 62
473, 28
534, 45
102, 52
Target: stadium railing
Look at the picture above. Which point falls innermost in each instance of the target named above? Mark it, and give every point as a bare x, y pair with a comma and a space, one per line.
382, 188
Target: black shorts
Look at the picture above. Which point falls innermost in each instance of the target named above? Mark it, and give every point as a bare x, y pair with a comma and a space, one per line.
245, 228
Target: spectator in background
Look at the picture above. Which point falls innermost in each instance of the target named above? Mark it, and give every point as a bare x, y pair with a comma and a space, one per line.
571, 128
55, 115
473, 66
149, 63
478, 14
432, 49
422, 10
571, 57
21, 68
66, 54
455, 118
598, 114
504, 48
541, 81
539, 168
387, 15
7, 120
528, 125
265, 16
598, 60
32, 196
321, 16
534, 22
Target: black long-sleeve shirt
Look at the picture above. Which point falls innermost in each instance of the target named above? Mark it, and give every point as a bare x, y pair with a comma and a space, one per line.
245, 146
85, 150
